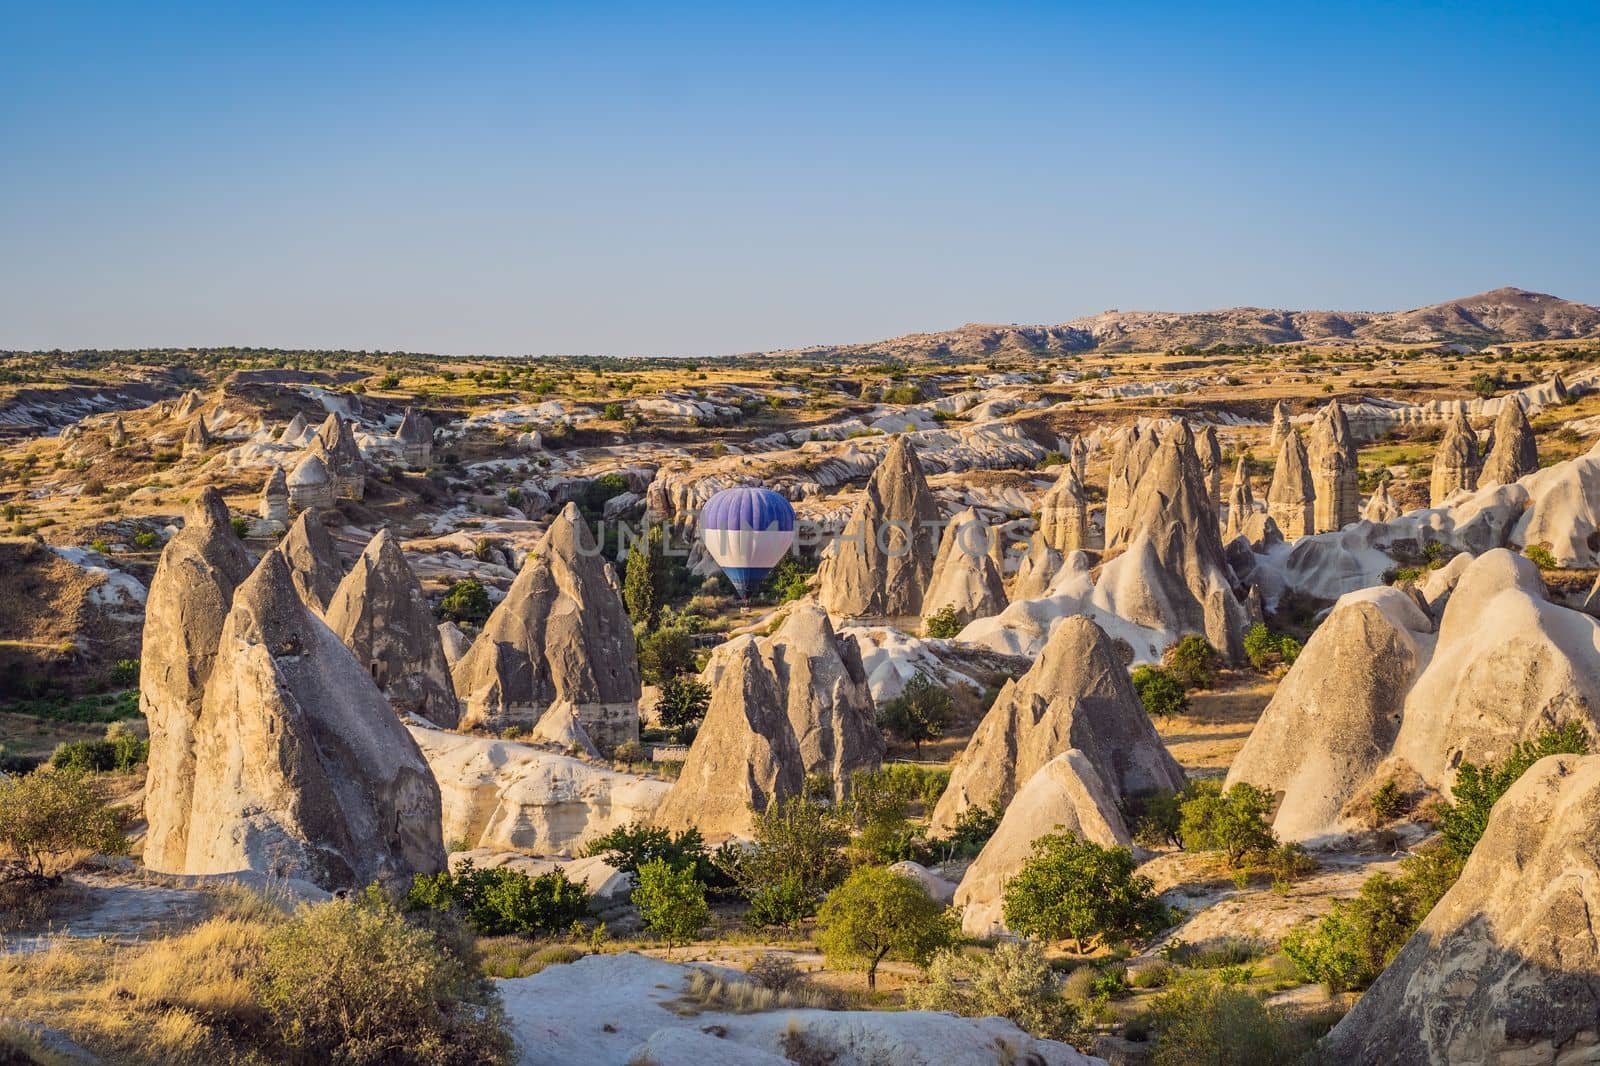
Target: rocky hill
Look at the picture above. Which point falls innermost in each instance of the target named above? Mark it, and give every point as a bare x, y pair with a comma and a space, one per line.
1500, 316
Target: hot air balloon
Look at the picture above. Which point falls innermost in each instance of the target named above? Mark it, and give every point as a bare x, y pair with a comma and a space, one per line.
747, 530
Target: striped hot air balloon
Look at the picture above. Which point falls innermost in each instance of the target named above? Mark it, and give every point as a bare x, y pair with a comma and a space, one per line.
747, 530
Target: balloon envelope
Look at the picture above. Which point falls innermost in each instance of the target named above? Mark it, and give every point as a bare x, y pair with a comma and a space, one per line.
747, 530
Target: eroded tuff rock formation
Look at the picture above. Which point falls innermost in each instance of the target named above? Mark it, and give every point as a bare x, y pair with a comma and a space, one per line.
1241, 502
188, 602
1076, 695
1130, 457
1506, 967
1512, 451
1065, 795
744, 757
1334, 468
1457, 462
823, 694
1380, 506
1064, 512
1281, 426
383, 617
313, 560
1318, 743
1174, 576
965, 576
1290, 497
881, 565
1037, 570
1209, 450
561, 634
301, 769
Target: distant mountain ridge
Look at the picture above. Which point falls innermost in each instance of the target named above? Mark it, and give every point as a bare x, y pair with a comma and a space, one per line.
1500, 316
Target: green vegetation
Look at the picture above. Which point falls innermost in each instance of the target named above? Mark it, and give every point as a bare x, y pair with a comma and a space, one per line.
1073, 889
1013, 981
1264, 648
1477, 788
1160, 690
647, 579
671, 902
1210, 1019
877, 914
466, 601
1193, 661
502, 902
683, 704
942, 624
796, 859
665, 653
1234, 822
50, 819
1542, 557
631, 847
122, 749
919, 714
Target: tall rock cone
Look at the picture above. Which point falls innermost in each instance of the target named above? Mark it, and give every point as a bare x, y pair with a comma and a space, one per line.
1241, 501
1290, 497
313, 560
382, 615
1076, 695
301, 768
1456, 464
1064, 512
1513, 454
1037, 571
1174, 575
1334, 469
1129, 459
188, 602
744, 757
964, 574
1281, 426
1380, 505
1209, 449
1506, 967
881, 565
561, 633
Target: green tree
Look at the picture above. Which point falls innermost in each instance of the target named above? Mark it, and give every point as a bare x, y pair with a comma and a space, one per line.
683, 704
877, 914
796, 859
1193, 661
1234, 822
1074, 889
1349, 947
1014, 981
646, 580
49, 819
671, 902
1160, 691
918, 714
502, 902
942, 624
664, 654
466, 601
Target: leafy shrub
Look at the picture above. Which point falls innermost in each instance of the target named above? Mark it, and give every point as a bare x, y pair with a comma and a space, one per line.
1233, 822
1264, 648
631, 847
241, 526
972, 830
665, 653
918, 714
796, 859
1542, 557
1013, 981
51, 818
1349, 948
1074, 889
502, 902
1160, 690
775, 971
942, 624
466, 601
146, 539
1202, 1019
1476, 788
121, 749
1387, 802
125, 674
671, 902
878, 914
684, 702
351, 981
1193, 661
880, 808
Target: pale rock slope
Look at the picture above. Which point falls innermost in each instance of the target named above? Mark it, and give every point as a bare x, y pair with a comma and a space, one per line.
313, 560
964, 573
881, 565
504, 796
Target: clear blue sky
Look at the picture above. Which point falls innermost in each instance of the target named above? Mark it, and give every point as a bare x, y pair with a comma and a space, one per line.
634, 180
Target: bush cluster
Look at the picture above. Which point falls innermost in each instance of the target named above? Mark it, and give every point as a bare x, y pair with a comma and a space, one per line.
502, 902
